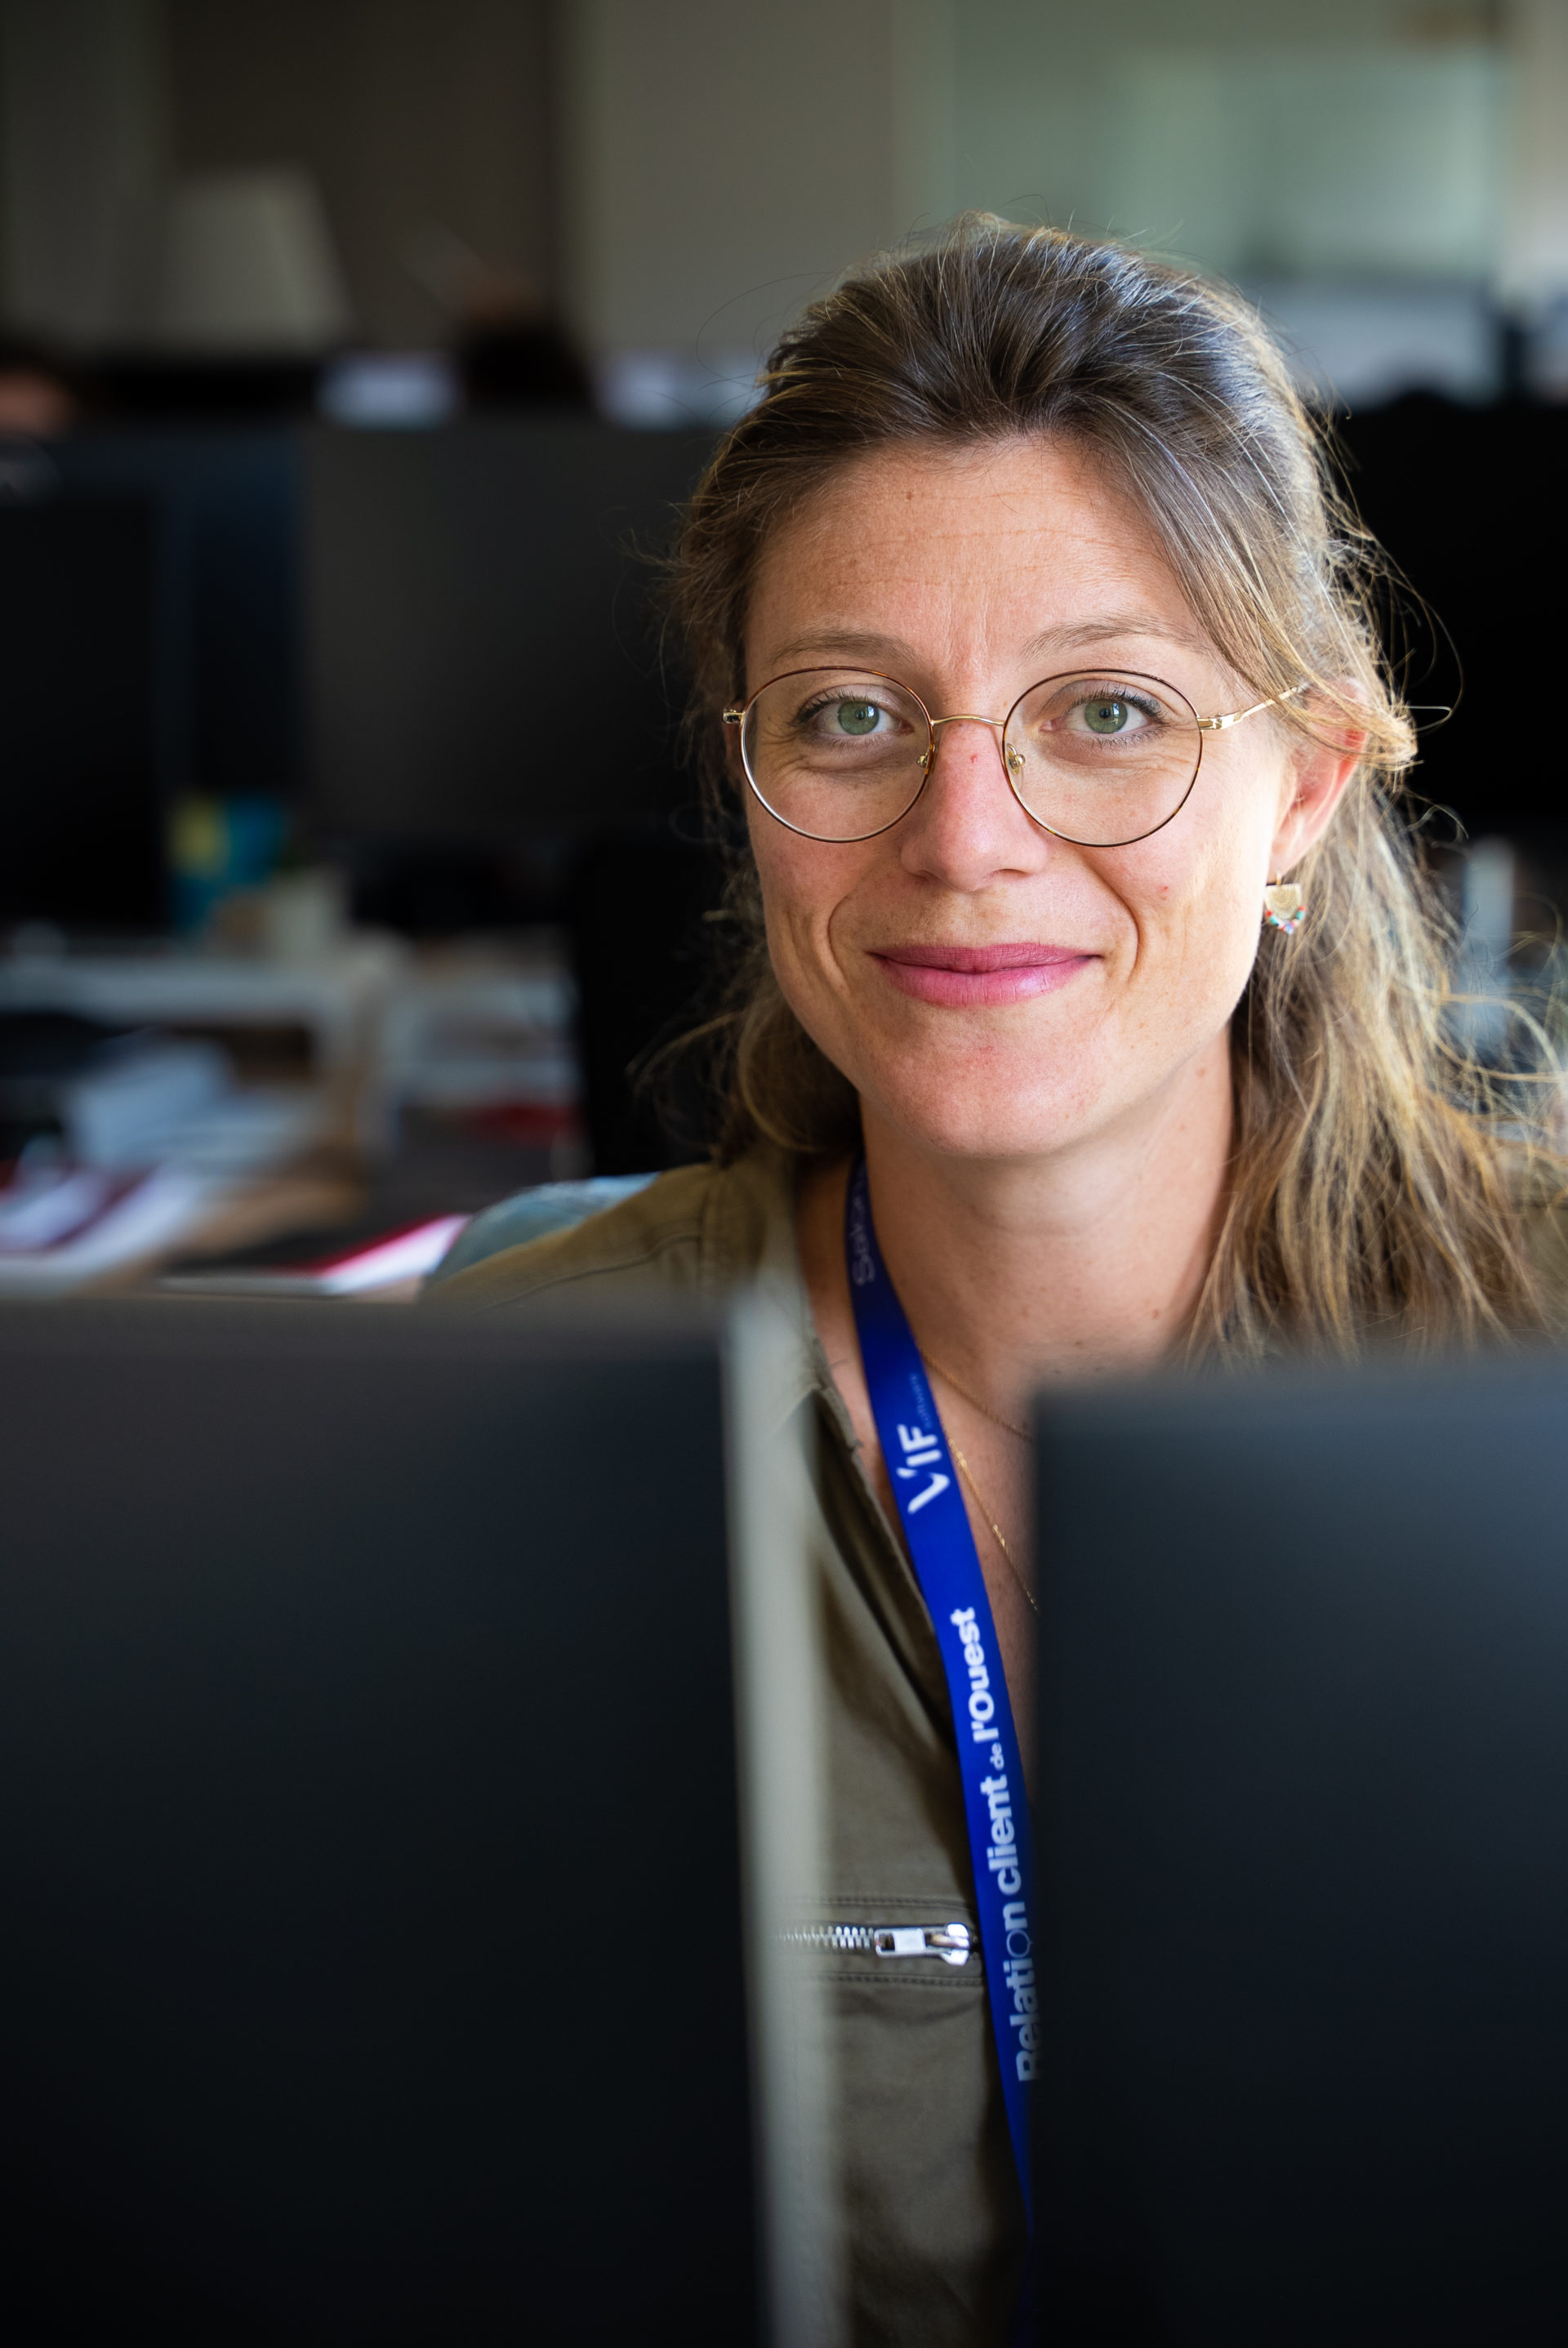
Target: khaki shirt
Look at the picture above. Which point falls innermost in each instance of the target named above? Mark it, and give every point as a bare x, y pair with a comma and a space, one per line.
933, 2216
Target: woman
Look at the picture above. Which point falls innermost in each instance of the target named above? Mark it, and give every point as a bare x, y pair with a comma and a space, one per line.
1033, 642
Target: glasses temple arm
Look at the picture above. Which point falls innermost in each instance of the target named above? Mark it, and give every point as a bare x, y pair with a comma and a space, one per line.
1234, 716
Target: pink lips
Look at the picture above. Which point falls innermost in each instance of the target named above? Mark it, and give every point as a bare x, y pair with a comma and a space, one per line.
965, 977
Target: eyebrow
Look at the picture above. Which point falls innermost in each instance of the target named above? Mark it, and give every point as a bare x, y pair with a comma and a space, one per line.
856, 644
1102, 627
1097, 628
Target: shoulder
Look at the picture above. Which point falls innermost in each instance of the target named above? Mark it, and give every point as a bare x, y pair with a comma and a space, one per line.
700, 1229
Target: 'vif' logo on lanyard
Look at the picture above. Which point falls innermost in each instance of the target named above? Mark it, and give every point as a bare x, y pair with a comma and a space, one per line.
919, 1453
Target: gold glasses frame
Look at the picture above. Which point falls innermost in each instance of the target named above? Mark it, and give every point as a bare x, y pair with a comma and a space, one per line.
738, 712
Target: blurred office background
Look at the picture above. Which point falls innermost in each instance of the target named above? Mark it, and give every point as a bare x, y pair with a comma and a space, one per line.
355, 355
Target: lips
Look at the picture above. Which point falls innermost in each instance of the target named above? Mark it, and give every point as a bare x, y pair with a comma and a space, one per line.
960, 977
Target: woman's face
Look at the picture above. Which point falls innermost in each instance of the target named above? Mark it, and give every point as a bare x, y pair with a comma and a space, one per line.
990, 990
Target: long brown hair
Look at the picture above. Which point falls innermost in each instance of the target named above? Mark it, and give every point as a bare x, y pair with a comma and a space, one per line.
1368, 1190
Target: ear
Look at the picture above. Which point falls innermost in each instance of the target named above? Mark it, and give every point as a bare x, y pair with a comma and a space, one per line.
1314, 784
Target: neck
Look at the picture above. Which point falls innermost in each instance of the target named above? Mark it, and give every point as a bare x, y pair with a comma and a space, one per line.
1077, 1264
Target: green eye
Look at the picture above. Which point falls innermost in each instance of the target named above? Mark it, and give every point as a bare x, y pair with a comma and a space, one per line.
858, 716
1106, 716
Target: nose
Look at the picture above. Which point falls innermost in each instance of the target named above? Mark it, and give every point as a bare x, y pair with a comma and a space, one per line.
963, 830
969, 718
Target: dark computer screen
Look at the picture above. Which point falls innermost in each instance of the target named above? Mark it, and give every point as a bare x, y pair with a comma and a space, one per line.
81, 715
483, 657
228, 499
149, 599
1469, 501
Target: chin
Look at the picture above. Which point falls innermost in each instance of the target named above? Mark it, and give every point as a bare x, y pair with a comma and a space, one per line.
952, 1114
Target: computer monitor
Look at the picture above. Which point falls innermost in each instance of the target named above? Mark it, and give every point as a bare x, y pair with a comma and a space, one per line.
373, 1966
1302, 1830
82, 715
483, 660
228, 499
1437, 481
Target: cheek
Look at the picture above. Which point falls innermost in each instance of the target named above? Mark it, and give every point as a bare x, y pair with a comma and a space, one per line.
1196, 898
789, 888
803, 884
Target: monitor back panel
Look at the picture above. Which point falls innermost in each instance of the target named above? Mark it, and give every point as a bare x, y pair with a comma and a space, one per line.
373, 1963
1304, 1846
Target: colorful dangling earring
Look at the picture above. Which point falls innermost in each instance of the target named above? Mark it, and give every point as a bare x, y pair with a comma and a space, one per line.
1284, 907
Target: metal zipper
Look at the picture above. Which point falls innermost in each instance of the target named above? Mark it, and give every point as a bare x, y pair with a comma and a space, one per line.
951, 1942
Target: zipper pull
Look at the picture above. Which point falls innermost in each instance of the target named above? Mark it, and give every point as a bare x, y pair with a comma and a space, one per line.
948, 1941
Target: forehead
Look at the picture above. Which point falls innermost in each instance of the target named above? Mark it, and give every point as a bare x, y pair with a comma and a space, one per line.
927, 543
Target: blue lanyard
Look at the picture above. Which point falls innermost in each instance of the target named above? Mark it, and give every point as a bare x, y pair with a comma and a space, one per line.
937, 1528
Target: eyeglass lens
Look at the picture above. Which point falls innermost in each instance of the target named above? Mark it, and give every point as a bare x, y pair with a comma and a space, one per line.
1101, 757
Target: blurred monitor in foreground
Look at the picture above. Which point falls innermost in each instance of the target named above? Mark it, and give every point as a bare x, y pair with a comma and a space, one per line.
1302, 1811
374, 1969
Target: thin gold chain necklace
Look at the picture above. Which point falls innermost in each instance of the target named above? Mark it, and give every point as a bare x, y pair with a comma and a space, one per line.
974, 1402
1000, 1537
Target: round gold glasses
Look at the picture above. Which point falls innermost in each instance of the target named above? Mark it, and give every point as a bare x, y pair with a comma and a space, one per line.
1099, 756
